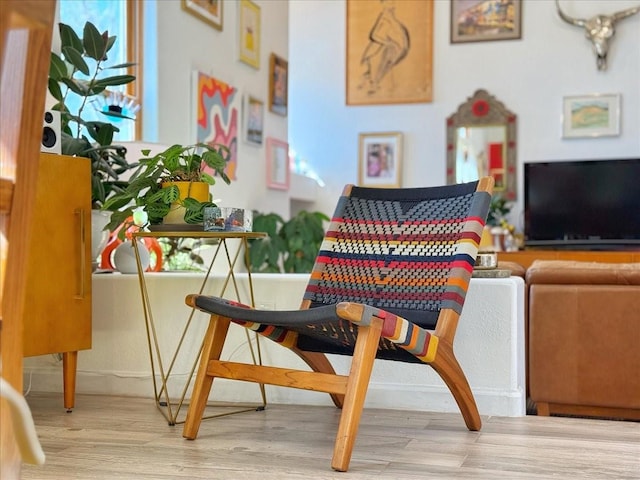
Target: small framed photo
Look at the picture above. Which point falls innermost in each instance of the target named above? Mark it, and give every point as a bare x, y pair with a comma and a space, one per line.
595, 115
477, 21
278, 84
249, 31
209, 11
253, 120
380, 159
278, 172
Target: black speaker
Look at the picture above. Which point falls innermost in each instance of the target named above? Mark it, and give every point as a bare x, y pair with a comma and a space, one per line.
51, 140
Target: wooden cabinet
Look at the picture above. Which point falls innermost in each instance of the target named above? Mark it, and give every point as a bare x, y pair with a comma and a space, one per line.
57, 314
526, 257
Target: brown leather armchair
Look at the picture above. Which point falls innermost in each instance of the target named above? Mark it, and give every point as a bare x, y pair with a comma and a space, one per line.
584, 338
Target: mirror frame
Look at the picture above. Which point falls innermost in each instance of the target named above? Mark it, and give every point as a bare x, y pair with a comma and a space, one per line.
479, 110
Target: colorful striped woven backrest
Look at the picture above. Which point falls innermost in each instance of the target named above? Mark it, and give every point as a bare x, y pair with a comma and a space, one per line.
409, 251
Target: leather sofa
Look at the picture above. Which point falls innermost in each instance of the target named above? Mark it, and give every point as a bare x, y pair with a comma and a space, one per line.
584, 338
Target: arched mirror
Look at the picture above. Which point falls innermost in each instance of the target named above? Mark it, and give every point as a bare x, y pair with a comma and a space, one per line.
481, 140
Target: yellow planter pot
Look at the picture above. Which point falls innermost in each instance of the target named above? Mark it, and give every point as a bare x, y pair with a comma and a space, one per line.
196, 190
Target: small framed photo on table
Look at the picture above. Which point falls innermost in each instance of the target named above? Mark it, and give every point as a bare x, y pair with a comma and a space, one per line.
595, 115
380, 159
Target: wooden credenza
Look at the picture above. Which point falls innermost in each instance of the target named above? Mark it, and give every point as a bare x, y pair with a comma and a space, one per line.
526, 257
57, 314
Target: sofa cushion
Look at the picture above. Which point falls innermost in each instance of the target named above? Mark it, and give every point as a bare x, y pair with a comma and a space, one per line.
582, 273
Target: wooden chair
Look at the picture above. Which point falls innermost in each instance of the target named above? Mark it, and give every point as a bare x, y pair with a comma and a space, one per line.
26, 28
389, 282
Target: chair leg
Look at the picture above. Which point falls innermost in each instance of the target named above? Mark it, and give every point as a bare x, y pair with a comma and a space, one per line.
212, 349
319, 363
450, 371
361, 366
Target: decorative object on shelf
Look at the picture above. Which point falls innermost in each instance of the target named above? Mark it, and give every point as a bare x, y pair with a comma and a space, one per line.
124, 258
278, 168
599, 29
481, 140
380, 159
209, 11
249, 36
278, 85
389, 52
227, 219
482, 21
253, 115
217, 106
154, 187
591, 116
132, 224
78, 73
291, 246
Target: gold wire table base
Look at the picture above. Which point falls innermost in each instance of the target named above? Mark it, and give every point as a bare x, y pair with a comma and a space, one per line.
171, 409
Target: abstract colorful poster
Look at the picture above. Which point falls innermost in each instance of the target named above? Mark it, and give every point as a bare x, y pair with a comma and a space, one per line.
217, 112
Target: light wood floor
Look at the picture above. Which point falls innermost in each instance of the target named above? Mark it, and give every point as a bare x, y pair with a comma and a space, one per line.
127, 438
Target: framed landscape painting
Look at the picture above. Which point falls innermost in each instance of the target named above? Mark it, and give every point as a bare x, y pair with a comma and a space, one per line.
485, 20
591, 116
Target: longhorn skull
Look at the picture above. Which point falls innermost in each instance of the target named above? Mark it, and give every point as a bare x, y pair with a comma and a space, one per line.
599, 30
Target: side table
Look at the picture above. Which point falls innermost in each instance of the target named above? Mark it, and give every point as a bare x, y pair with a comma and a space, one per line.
169, 407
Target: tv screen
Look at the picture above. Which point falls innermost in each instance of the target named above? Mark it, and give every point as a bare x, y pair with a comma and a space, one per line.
586, 204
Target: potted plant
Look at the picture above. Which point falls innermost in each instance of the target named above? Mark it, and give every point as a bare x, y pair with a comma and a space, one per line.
171, 186
289, 247
77, 78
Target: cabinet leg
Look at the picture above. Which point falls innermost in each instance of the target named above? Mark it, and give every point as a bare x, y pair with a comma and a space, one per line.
69, 366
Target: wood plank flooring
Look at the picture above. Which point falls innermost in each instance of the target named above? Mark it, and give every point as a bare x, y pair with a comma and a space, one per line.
127, 438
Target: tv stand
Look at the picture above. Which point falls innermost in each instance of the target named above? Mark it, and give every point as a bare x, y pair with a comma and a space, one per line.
527, 257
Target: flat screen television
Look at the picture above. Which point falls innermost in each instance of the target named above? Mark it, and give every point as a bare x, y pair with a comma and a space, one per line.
590, 204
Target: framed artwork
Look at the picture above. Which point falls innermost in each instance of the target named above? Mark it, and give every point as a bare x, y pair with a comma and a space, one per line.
483, 20
253, 120
278, 84
389, 52
591, 116
217, 110
380, 159
209, 11
249, 31
278, 172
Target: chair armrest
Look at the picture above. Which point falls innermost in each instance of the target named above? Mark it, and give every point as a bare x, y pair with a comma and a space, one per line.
582, 273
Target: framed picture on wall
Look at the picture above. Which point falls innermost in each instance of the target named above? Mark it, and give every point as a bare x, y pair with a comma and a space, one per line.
591, 116
481, 21
209, 11
249, 33
389, 52
278, 174
253, 120
278, 84
380, 159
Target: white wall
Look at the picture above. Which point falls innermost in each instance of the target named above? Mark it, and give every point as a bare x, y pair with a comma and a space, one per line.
185, 44
530, 76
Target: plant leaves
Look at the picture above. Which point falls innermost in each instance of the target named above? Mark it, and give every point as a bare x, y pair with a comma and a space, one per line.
74, 57
54, 90
113, 81
69, 38
171, 194
93, 42
76, 86
57, 68
121, 65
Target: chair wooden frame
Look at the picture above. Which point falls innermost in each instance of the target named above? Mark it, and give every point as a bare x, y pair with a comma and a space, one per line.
347, 391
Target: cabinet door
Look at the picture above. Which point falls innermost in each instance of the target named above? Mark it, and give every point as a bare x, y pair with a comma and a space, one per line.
57, 315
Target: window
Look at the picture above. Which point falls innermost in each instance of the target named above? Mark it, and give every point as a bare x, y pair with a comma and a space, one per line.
120, 18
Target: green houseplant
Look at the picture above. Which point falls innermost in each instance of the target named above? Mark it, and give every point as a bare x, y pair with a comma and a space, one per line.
81, 73
290, 246
165, 185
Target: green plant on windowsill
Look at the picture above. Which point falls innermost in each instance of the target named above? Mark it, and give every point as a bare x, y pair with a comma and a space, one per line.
171, 185
80, 73
291, 246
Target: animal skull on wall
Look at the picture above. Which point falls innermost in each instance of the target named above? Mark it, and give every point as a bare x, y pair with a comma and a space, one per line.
599, 29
